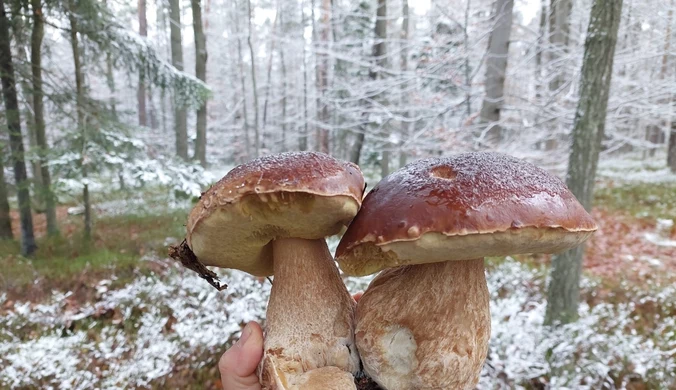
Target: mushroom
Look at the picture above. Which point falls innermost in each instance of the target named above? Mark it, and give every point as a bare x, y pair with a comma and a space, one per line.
424, 322
270, 217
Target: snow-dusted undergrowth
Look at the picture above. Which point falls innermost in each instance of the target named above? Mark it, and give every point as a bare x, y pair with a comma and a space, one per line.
136, 334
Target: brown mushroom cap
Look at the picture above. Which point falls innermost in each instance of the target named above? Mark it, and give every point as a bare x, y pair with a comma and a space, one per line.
463, 207
301, 195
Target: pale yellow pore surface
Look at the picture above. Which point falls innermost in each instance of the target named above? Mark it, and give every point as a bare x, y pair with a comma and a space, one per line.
425, 326
238, 235
368, 257
310, 317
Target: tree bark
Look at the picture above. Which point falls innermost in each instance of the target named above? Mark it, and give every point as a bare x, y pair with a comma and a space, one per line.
15, 137
201, 73
141, 91
323, 115
39, 117
379, 53
18, 9
79, 103
5, 218
257, 140
242, 78
597, 69
671, 150
284, 83
180, 114
540, 47
559, 34
403, 64
468, 71
496, 68
302, 140
653, 131
268, 85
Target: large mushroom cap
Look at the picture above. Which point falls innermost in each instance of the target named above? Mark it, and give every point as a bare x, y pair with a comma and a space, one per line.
463, 207
302, 195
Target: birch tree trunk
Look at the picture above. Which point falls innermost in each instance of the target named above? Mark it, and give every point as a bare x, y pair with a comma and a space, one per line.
141, 91
590, 118
15, 137
180, 114
496, 68
39, 117
201, 73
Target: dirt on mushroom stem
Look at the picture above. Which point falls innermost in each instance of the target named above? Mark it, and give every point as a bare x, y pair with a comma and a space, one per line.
366, 383
185, 255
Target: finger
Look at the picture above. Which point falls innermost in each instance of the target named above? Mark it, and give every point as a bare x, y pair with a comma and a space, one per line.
238, 364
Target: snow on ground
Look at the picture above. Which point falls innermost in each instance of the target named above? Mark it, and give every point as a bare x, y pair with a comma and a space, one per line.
134, 335
637, 169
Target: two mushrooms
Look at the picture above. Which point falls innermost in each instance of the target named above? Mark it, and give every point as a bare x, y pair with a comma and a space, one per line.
424, 321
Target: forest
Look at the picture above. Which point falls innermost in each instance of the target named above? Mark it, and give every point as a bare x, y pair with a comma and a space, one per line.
118, 115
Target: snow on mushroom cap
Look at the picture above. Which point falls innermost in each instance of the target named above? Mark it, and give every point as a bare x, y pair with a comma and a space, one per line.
462, 207
303, 194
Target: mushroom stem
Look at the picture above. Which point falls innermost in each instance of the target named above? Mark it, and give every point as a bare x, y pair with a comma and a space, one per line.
310, 316
425, 326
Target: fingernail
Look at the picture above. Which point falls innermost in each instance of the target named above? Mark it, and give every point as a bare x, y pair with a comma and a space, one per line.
245, 336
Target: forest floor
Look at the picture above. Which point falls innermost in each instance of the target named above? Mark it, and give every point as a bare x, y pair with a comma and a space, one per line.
117, 313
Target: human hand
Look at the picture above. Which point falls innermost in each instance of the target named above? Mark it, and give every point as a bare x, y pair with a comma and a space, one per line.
238, 364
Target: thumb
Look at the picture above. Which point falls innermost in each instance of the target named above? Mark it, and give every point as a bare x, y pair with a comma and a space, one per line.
238, 364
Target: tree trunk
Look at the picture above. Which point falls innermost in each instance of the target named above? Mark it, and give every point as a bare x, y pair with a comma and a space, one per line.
496, 68
323, 115
110, 79
539, 48
201, 73
588, 129
180, 114
18, 9
15, 137
257, 140
559, 33
302, 140
653, 131
141, 91
268, 85
379, 53
381, 61
79, 103
39, 116
242, 77
468, 71
403, 64
284, 84
5, 219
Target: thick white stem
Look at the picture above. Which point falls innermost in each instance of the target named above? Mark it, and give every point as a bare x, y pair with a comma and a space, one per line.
310, 316
425, 326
